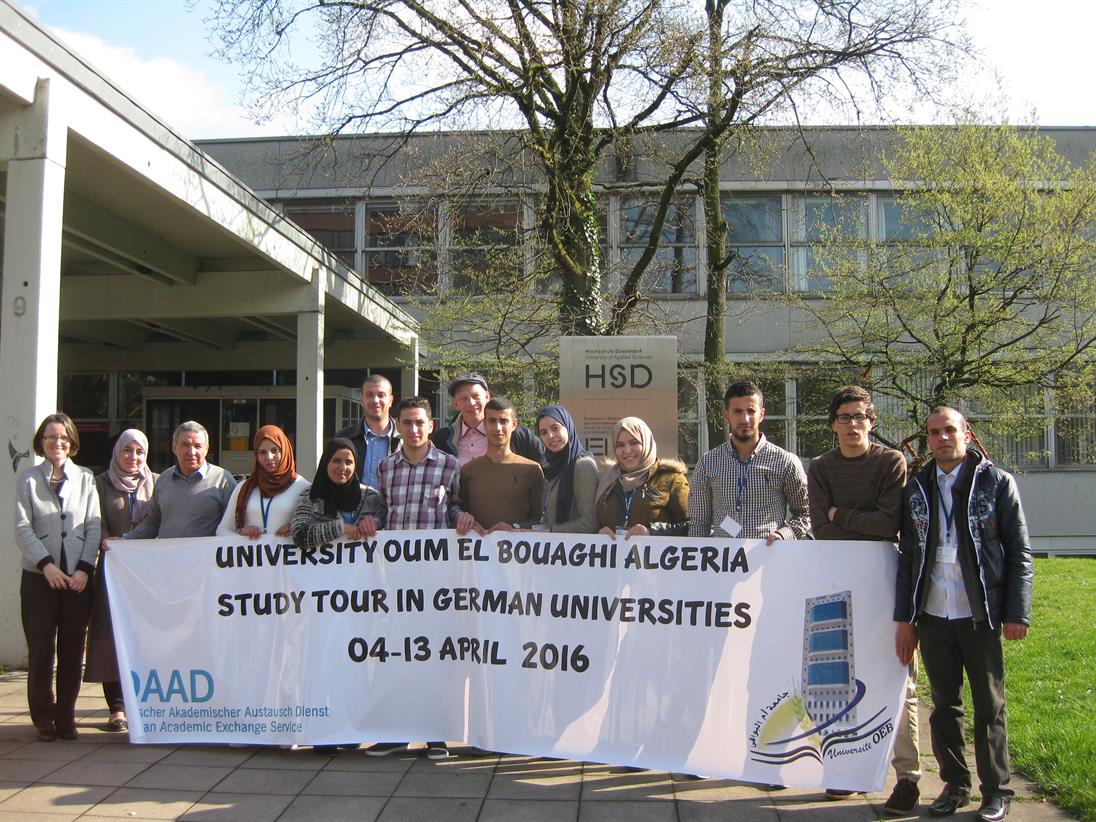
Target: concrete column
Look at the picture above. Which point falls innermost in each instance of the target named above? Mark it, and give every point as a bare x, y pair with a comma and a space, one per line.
310, 433
29, 317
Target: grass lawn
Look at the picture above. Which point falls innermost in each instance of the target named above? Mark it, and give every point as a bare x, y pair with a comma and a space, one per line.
1050, 678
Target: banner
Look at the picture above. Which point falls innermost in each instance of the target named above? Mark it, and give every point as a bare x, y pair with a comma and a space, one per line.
709, 656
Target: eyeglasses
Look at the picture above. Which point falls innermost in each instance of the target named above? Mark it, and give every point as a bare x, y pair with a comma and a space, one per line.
61, 438
845, 419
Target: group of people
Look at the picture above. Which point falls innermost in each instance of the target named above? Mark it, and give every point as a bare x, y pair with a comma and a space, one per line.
964, 561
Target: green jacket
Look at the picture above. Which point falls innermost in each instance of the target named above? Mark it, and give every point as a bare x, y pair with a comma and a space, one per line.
661, 503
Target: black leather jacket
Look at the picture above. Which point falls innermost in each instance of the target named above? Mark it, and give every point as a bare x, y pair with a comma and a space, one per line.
994, 552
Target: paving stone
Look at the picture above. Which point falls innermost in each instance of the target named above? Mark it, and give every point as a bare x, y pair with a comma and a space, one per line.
209, 755
441, 784
533, 786
27, 770
333, 809
417, 809
91, 772
353, 783
147, 803
740, 810
237, 807
265, 781
61, 799
523, 810
179, 777
627, 812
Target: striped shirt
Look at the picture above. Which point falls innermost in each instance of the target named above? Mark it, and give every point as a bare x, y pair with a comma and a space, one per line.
764, 494
425, 494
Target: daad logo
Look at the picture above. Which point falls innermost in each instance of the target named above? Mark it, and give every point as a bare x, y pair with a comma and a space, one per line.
195, 686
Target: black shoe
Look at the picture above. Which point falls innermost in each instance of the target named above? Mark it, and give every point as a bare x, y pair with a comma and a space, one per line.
68, 734
47, 733
903, 799
994, 808
437, 751
951, 799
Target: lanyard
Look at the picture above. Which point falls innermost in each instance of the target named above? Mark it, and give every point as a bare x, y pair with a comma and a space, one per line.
742, 480
265, 509
628, 497
132, 496
949, 515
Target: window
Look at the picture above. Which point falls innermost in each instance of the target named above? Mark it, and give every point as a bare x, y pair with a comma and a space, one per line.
330, 223
828, 611
828, 641
1075, 431
755, 243
399, 239
673, 269
821, 219
828, 673
484, 243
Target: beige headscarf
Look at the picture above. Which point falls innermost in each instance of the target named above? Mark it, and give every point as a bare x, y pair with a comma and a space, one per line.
632, 479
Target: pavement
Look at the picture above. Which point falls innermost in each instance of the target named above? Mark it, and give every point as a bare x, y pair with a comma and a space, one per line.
101, 777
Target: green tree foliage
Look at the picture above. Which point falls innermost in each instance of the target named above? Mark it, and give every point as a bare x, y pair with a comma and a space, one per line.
983, 290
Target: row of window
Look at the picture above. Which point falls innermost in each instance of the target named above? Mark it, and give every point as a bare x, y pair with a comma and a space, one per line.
774, 241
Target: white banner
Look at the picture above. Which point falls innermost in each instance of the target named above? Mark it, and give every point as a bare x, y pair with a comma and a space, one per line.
715, 657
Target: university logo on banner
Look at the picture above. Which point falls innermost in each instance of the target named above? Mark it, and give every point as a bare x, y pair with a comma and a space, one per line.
711, 656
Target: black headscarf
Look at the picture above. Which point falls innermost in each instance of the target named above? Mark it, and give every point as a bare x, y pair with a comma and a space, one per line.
346, 497
562, 463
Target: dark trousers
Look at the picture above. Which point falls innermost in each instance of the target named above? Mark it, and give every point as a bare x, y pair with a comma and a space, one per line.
948, 648
53, 619
112, 693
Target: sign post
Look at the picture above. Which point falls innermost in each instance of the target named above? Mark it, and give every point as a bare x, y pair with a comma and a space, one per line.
602, 379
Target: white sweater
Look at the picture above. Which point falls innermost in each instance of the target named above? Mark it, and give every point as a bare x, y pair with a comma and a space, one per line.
281, 508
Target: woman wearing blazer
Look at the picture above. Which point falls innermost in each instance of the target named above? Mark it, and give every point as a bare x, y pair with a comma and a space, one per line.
57, 527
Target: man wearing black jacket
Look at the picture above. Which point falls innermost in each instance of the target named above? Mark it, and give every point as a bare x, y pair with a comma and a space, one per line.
376, 436
964, 579
466, 438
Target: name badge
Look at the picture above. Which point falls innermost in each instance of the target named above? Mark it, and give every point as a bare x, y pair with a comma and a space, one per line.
947, 553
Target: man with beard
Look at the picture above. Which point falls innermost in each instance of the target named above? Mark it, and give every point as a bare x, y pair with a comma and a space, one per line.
748, 487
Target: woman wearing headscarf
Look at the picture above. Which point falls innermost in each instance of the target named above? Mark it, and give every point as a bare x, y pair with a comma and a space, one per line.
571, 474
264, 502
57, 528
333, 507
124, 490
639, 493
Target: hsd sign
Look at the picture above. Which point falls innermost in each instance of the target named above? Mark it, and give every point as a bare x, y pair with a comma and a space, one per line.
602, 379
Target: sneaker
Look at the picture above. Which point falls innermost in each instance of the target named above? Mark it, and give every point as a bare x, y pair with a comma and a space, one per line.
994, 808
437, 751
951, 799
838, 794
903, 799
385, 748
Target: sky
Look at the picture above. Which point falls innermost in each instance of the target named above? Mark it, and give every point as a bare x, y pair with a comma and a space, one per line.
158, 51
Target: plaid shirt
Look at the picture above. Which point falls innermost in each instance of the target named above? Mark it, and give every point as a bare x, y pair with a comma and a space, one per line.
420, 495
773, 495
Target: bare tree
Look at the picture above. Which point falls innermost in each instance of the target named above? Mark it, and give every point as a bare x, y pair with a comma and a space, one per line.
576, 76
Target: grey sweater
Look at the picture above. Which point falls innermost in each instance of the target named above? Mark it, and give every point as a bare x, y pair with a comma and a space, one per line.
583, 517
186, 506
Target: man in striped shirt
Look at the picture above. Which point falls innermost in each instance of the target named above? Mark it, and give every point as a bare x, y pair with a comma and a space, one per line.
748, 487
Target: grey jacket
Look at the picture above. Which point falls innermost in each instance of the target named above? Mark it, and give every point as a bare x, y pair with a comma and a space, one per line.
63, 531
994, 552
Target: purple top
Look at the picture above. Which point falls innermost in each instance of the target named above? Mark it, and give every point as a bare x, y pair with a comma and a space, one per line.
420, 495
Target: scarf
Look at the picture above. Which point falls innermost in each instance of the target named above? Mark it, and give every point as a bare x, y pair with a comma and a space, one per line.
270, 483
346, 497
561, 464
139, 483
632, 479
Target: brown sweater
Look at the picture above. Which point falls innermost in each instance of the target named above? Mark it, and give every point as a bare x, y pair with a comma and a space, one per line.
867, 492
511, 491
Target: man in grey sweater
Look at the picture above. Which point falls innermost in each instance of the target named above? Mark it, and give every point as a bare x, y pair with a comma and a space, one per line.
190, 497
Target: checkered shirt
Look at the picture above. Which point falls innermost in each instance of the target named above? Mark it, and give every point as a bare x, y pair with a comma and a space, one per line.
774, 497
420, 495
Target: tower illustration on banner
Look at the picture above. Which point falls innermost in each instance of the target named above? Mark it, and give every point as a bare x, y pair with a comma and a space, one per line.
829, 675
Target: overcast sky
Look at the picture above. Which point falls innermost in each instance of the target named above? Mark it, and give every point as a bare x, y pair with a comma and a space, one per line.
157, 50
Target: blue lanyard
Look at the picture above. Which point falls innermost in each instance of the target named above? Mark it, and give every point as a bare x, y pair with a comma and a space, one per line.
628, 497
265, 509
132, 495
742, 480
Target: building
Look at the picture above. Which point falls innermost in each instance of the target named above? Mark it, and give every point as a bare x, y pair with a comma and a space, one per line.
386, 220
131, 259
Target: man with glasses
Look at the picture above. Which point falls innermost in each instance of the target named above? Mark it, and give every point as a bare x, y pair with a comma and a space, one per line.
855, 493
